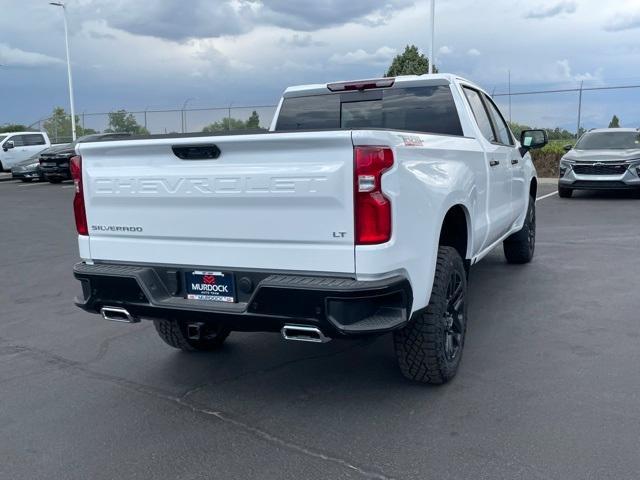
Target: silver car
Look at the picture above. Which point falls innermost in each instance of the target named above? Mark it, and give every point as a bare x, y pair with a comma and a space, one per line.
604, 158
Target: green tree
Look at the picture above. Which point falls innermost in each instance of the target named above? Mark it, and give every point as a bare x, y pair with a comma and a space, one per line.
58, 126
231, 123
409, 62
254, 121
517, 128
13, 127
615, 122
123, 122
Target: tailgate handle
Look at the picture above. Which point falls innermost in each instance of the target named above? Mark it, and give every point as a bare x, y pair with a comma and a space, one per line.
196, 152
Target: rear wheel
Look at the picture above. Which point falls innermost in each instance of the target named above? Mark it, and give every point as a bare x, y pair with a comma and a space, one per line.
564, 192
520, 247
54, 180
26, 180
174, 333
429, 348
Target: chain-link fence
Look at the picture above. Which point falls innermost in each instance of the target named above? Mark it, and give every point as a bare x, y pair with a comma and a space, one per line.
574, 109
159, 121
570, 109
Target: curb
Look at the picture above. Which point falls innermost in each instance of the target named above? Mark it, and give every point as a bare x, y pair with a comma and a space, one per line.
6, 178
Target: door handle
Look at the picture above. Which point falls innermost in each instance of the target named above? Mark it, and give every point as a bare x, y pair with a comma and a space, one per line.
514, 161
494, 163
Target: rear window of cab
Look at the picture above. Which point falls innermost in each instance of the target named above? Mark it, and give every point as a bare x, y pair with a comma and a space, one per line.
429, 109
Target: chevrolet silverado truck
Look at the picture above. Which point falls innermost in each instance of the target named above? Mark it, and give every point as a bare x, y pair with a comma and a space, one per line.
358, 213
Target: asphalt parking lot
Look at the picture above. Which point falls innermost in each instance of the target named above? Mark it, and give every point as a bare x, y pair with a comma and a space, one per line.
549, 385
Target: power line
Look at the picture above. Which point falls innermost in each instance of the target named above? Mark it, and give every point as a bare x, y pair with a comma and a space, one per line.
566, 90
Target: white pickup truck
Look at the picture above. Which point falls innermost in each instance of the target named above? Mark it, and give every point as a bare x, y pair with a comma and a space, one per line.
359, 212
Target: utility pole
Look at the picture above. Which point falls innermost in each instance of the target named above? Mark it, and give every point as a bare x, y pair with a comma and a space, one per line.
579, 109
184, 114
509, 95
66, 41
433, 35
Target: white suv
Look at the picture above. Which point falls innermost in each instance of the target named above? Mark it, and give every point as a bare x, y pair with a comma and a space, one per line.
603, 159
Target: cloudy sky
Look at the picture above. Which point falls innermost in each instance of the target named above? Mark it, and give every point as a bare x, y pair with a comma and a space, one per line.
154, 54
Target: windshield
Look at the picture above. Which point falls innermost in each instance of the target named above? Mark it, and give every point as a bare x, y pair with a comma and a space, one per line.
609, 141
421, 109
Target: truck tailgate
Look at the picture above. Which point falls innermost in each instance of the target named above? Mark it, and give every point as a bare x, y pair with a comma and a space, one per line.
280, 201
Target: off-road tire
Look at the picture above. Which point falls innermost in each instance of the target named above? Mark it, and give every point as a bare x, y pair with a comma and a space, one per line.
421, 346
174, 334
564, 192
520, 247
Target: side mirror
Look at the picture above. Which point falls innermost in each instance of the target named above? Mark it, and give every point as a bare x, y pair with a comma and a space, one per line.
567, 147
8, 145
530, 139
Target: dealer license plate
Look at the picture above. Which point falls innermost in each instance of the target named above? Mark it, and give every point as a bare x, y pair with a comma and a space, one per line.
210, 286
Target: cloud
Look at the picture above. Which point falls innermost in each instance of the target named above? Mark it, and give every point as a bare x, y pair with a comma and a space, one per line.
445, 50
566, 6
473, 52
623, 22
300, 40
381, 56
170, 19
318, 14
14, 57
563, 72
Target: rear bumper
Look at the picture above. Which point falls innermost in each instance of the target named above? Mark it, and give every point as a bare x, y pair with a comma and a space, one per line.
26, 174
338, 306
57, 171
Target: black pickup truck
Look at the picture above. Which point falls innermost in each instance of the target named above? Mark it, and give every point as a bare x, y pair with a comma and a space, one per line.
54, 162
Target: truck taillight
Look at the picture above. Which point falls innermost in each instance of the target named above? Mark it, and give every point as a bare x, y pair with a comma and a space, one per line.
75, 165
372, 209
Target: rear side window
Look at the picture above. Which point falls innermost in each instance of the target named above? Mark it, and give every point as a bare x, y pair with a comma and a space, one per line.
33, 139
480, 113
420, 109
318, 112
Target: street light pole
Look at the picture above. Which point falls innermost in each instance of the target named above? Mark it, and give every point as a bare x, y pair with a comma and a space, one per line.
433, 34
66, 41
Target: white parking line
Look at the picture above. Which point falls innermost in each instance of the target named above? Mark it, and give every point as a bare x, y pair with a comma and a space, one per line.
546, 196
68, 186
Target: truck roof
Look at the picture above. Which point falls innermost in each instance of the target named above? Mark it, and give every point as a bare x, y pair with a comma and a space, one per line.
400, 81
616, 129
22, 133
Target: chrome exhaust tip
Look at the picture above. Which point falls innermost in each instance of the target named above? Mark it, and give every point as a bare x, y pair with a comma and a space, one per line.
302, 333
118, 314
